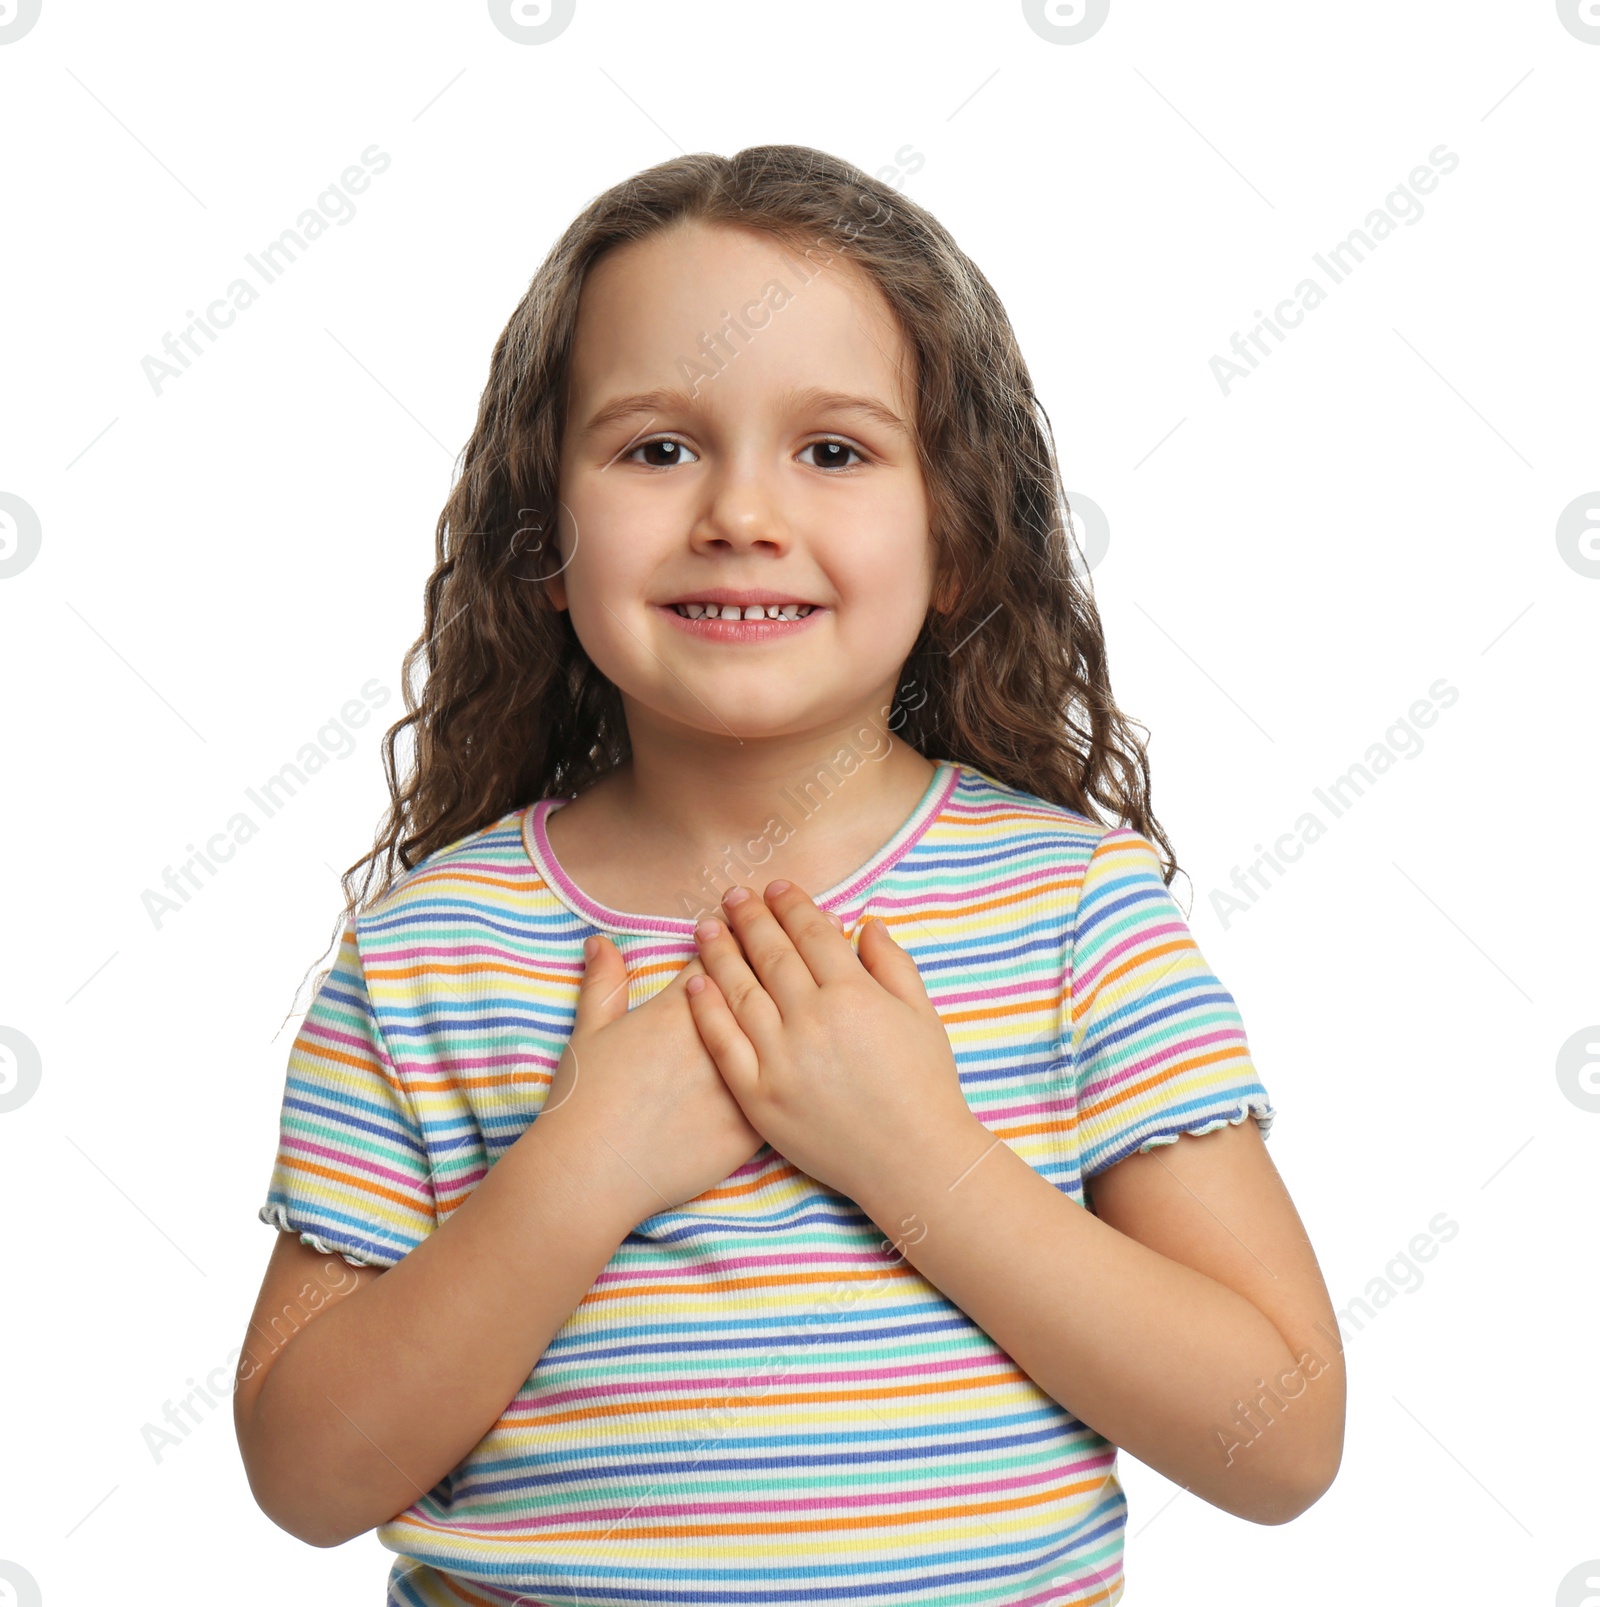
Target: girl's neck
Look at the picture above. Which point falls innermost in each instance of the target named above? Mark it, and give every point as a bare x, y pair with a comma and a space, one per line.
640, 837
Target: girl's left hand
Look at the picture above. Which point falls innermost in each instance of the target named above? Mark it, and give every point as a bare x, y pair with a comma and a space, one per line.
838, 1060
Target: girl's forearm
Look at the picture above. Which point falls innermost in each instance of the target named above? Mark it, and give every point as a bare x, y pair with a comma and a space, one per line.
1153, 1355
377, 1399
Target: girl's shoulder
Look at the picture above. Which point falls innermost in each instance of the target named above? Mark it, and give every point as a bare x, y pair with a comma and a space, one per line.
981, 798
492, 858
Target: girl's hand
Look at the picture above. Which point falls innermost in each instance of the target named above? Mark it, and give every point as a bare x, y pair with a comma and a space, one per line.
838, 1059
636, 1095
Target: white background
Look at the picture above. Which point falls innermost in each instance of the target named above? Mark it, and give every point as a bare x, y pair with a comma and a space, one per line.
1291, 566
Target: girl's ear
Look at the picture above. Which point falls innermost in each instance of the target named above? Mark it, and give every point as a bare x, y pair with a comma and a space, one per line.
533, 553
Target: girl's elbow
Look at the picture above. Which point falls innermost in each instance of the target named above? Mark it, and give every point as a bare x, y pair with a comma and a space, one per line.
291, 1503
309, 1526
1290, 1501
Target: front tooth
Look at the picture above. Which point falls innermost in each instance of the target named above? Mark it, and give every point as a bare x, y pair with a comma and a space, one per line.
789, 611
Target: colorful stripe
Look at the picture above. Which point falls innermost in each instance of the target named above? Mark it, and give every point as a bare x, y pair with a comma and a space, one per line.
754, 1404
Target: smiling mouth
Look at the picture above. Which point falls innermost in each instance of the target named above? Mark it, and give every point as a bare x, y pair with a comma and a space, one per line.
732, 611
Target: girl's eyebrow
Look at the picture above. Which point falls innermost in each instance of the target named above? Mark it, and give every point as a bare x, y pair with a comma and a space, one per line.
681, 401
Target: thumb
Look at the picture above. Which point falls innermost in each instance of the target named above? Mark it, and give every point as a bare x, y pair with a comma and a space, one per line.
603, 992
889, 964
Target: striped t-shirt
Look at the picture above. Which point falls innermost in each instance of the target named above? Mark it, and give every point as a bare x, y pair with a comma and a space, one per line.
760, 1402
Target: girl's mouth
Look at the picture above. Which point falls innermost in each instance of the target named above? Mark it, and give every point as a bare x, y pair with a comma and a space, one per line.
771, 623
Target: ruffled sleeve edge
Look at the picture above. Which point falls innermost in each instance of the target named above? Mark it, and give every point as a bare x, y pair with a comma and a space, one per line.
1257, 1105
1262, 1109
277, 1216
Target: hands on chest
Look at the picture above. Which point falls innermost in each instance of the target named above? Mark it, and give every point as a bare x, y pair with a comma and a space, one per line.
836, 1057
778, 1031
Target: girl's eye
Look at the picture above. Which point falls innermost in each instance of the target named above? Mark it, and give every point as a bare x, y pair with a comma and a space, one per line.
834, 456
675, 450
837, 452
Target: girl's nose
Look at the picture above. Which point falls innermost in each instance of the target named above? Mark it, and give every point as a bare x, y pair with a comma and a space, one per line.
744, 511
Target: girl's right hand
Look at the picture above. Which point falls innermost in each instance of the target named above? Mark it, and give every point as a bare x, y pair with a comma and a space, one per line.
643, 1082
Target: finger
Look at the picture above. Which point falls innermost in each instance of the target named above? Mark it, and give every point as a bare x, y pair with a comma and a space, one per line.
722, 1035
751, 1005
889, 964
824, 948
769, 951
602, 997
603, 990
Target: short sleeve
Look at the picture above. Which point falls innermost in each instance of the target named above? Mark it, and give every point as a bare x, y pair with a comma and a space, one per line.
1158, 1048
352, 1174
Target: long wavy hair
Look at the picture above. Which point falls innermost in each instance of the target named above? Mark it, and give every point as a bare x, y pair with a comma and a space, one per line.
1012, 680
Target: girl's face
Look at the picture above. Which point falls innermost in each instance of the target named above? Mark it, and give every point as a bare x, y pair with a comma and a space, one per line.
779, 461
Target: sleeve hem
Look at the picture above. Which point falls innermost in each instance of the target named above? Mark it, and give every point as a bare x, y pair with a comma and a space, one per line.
1253, 1105
277, 1216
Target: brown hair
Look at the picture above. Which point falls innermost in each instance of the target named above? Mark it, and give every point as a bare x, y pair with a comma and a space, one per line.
1013, 680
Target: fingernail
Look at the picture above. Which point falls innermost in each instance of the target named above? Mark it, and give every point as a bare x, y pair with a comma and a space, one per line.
706, 930
591, 945
735, 895
778, 887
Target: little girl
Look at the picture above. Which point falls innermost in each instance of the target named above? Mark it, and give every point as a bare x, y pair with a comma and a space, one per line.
736, 1155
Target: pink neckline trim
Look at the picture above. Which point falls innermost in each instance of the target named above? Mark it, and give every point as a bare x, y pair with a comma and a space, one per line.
536, 841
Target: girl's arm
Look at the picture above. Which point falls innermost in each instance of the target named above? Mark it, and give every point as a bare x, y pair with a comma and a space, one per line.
352, 1403
1187, 1323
